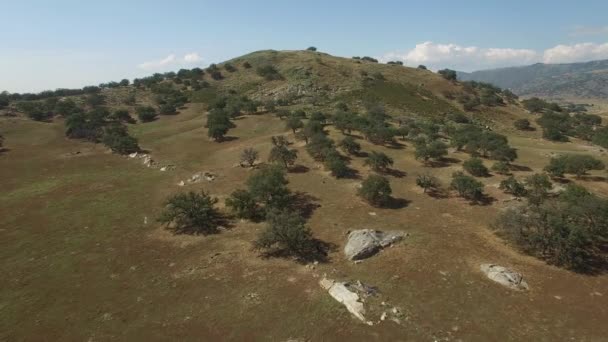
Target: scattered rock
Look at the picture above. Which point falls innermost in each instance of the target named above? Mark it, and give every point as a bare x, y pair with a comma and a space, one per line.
364, 243
342, 294
133, 155
199, 176
181, 183
504, 276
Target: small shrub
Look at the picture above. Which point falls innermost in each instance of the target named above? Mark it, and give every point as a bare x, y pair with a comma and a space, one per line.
249, 156
427, 182
522, 124
268, 72
501, 167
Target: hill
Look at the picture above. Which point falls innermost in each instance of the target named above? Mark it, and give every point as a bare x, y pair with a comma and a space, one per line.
335, 145
580, 80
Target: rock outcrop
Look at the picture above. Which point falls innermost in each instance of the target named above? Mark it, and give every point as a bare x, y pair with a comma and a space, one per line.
364, 243
504, 276
350, 299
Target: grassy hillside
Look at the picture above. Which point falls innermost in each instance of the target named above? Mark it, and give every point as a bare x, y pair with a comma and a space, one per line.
318, 80
579, 80
84, 257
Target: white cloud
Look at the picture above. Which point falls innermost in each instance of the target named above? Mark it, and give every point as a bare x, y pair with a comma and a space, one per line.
462, 57
158, 64
468, 58
576, 53
192, 58
172, 61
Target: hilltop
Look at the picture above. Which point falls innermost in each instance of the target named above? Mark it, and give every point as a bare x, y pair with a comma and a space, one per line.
588, 80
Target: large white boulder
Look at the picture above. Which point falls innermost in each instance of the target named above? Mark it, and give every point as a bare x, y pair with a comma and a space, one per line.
504, 276
364, 243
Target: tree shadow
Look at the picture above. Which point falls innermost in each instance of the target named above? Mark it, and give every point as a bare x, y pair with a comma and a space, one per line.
514, 167
395, 145
356, 136
443, 162
304, 203
484, 200
228, 138
395, 173
221, 223
299, 169
438, 193
3, 150
561, 180
352, 174
396, 203
314, 251
362, 154
584, 178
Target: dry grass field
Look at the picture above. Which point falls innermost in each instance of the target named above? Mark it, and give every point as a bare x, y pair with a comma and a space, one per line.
83, 258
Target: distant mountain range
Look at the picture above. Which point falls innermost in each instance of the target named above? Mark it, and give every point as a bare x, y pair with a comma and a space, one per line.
581, 80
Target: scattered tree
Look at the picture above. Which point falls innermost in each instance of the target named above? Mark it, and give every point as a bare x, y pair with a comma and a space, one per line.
501, 167
117, 138
287, 234
146, 113
448, 74
568, 230
243, 205
577, 164
538, 187
336, 164
191, 213
427, 182
218, 124
282, 154
433, 150
376, 190
475, 167
467, 187
513, 187
294, 123
350, 145
269, 186
378, 161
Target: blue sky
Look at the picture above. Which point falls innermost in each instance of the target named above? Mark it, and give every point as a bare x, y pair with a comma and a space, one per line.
52, 44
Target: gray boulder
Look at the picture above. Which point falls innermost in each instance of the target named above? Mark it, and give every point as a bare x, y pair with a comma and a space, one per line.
364, 243
504, 276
